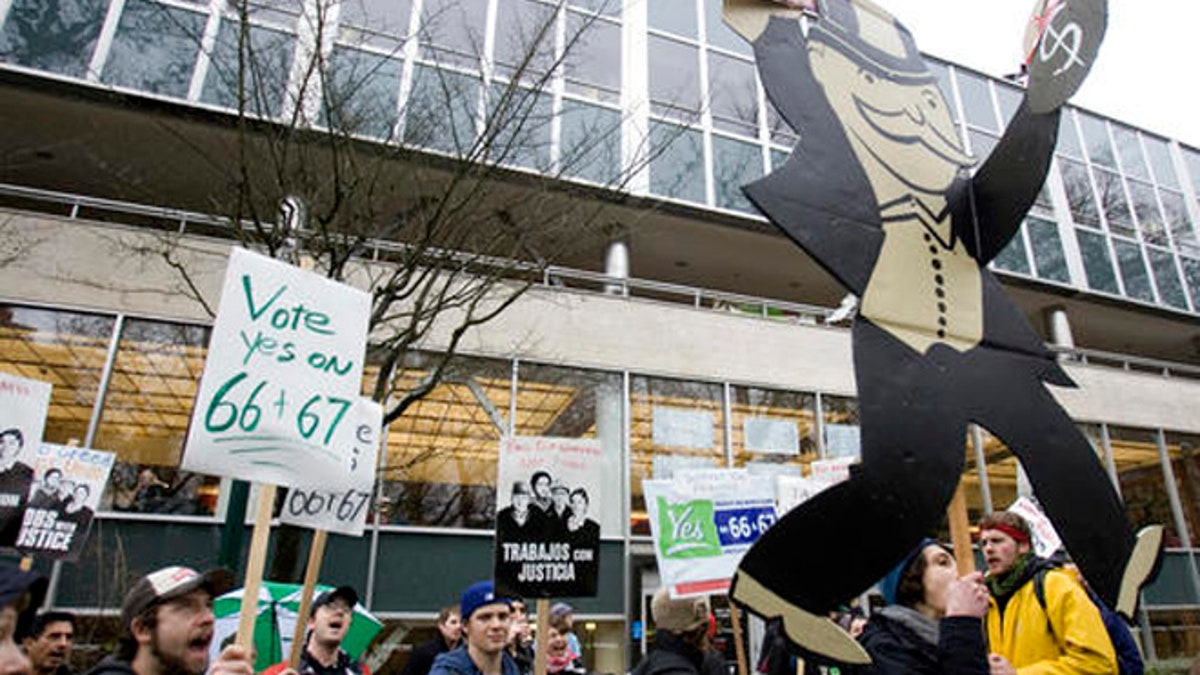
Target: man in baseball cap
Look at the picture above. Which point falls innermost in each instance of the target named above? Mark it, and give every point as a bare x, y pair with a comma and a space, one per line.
681, 636
168, 624
485, 622
328, 622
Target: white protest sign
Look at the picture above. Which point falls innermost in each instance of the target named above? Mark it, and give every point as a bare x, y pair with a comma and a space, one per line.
1045, 538
283, 373
342, 510
703, 522
23, 407
792, 491
831, 471
63, 498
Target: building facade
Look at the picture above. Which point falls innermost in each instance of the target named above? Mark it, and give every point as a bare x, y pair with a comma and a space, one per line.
695, 329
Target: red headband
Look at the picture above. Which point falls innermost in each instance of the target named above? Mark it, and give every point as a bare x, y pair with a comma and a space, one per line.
1011, 531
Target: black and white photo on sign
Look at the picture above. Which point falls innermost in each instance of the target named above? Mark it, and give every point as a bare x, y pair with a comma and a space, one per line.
62, 499
24, 404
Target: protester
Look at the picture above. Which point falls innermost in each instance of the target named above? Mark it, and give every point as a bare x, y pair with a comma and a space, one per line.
1021, 633
520, 637
559, 657
485, 619
167, 621
328, 622
933, 622
49, 641
449, 634
680, 638
567, 612
21, 593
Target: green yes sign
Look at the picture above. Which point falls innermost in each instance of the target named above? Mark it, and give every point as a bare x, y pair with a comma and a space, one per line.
687, 529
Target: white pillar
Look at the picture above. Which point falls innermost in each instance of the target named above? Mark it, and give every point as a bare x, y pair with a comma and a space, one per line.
1060, 327
616, 264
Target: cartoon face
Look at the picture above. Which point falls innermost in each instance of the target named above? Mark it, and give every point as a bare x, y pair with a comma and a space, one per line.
902, 132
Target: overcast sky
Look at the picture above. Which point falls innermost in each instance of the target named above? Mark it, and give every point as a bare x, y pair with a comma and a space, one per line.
1146, 74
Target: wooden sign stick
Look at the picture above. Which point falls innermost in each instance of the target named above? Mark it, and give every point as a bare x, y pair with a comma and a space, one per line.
737, 638
960, 531
316, 552
254, 565
539, 639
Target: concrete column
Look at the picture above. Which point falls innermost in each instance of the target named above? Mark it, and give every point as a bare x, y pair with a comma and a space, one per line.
1059, 327
616, 264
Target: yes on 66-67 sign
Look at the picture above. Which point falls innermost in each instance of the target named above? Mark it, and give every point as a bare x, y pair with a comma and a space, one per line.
284, 372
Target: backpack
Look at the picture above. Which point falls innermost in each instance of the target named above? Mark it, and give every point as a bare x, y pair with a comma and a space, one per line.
1129, 657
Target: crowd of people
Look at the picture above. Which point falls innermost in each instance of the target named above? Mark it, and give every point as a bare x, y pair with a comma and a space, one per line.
1024, 615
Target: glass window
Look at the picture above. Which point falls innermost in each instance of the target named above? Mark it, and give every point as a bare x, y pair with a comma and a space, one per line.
734, 164
1191, 159
155, 48
606, 7
976, 100
673, 16
1080, 198
575, 403
1178, 220
1095, 134
1010, 100
66, 349
982, 145
734, 95
1048, 254
1132, 162
268, 62
1166, 278
719, 33
1068, 140
145, 420
774, 430
591, 142
1096, 261
379, 23
1140, 474
840, 426
1133, 270
676, 162
360, 97
58, 37
1191, 274
440, 460
1150, 220
525, 32
592, 64
674, 424
1002, 468
942, 73
452, 31
674, 77
1184, 453
1013, 258
441, 110
1116, 207
1160, 161
781, 133
778, 159
520, 120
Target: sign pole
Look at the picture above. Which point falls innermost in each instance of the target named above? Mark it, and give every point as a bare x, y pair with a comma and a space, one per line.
738, 650
960, 531
539, 638
316, 552
254, 565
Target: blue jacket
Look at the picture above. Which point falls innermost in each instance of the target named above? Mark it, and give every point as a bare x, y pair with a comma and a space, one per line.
458, 662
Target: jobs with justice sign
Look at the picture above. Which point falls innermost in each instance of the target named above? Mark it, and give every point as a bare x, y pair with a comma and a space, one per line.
282, 379
63, 497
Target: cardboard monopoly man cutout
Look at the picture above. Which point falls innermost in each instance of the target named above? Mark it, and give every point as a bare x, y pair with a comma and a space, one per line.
882, 193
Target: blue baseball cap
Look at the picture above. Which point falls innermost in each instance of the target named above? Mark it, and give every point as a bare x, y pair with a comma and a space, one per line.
477, 595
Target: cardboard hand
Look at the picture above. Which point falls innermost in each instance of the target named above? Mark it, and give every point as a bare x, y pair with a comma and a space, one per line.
749, 17
1061, 44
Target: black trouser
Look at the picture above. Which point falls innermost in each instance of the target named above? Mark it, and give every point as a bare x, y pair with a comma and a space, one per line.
914, 411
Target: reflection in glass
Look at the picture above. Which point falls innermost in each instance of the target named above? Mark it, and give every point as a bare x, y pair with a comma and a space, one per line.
781, 133
677, 162
155, 48
734, 164
1010, 100
674, 77
145, 419
1139, 471
1013, 258
977, 101
840, 424
1145, 206
1183, 450
524, 38
1133, 270
591, 142
1080, 199
1048, 254
379, 23
1096, 261
1178, 221
268, 60
719, 33
440, 459
520, 118
592, 65
452, 31
58, 37
734, 96
673, 424
1166, 278
1132, 162
66, 349
773, 429
1160, 161
441, 110
360, 97
1096, 136
1068, 139
982, 145
673, 16
1116, 207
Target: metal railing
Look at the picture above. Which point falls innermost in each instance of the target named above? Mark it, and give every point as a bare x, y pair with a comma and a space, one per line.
76, 206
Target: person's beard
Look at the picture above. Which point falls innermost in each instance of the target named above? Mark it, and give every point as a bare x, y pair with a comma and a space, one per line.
170, 664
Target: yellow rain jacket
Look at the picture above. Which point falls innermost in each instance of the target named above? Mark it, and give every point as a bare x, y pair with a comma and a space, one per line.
1067, 637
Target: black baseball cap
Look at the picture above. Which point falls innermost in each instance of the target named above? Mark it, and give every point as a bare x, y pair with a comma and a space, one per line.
346, 593
169, 583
